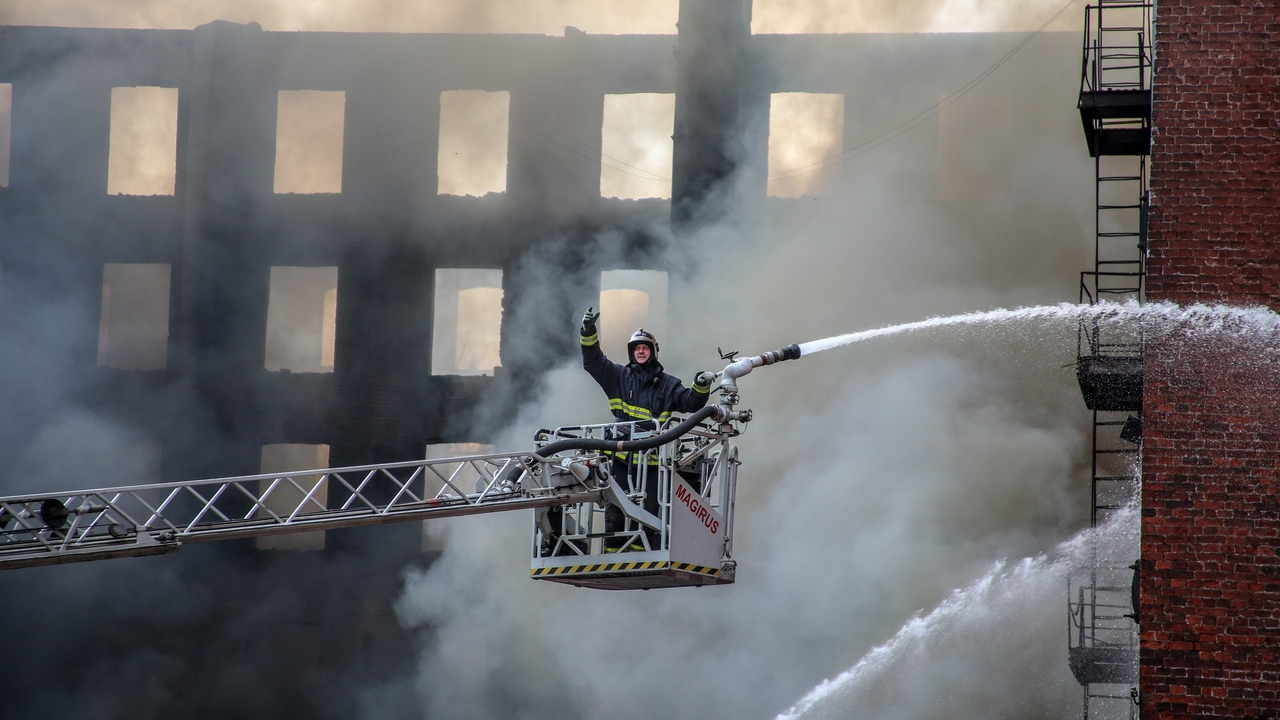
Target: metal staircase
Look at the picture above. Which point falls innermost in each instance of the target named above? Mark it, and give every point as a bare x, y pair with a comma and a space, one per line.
1115, 109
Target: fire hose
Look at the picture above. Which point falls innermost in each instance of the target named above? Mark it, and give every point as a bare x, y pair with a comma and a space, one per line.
631, 445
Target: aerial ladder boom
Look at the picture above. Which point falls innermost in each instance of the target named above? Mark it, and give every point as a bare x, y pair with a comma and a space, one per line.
569, 480
52, 528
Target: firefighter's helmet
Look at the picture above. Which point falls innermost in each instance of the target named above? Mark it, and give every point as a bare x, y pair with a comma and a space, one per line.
642, 336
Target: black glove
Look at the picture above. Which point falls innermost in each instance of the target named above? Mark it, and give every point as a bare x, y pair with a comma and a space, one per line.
704, 378
589, 321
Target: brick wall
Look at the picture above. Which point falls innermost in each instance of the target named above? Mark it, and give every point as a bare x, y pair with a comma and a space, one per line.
1210, 607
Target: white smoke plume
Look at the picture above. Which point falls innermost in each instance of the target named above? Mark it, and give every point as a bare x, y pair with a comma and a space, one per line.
877, 478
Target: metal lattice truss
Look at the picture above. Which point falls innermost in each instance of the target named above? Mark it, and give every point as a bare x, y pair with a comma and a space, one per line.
52, 528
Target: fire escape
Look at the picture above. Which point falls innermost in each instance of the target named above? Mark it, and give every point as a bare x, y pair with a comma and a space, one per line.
1115, 108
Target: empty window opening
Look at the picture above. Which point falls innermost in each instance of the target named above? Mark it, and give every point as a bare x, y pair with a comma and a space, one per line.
143, 156
6, 122
631, 299
301, 319
133, 331
473, 142
467, 329
309, 492
467, 480
806, 136
636, 145
309, 126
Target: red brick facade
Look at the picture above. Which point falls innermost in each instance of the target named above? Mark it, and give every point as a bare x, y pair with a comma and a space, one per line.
1210, 605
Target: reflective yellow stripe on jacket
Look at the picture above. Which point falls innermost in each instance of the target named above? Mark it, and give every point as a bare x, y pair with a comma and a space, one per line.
636, 412
652, 458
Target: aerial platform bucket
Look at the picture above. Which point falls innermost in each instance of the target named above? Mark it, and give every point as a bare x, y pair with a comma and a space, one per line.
689, 541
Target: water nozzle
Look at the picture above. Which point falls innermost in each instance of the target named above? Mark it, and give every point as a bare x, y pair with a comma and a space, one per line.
741, 367
790, 352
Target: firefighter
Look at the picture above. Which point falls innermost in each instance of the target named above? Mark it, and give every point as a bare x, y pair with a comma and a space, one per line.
639, 392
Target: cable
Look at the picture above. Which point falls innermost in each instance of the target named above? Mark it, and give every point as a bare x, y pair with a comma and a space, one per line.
649, 443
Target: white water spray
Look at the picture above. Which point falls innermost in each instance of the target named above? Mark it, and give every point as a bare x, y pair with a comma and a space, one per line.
1010, 612
1237, 321
1015, 606
1061, 311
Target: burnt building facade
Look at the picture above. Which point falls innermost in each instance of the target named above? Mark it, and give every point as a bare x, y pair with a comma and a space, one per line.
211, 399
208, 401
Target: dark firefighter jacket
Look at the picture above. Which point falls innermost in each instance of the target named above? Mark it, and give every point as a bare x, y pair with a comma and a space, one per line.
640, 392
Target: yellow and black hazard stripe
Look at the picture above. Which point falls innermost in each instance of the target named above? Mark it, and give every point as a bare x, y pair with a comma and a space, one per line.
622, 567
601, 568
690, 567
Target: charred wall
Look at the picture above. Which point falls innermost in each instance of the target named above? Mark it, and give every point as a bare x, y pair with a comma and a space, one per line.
289, 630
292, 630
387, 231
224, 227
